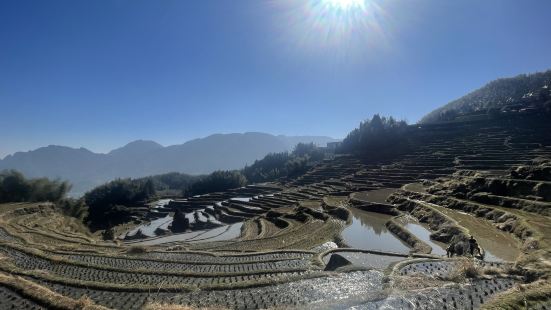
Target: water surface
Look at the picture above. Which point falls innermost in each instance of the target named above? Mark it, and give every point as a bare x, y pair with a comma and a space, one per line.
244, 199
366, 260
222, 233
499, 245
423, 234
368, 232
149, 228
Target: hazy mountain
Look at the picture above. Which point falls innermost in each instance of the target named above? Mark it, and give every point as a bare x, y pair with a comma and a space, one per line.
524, 89
86, 169
136, 147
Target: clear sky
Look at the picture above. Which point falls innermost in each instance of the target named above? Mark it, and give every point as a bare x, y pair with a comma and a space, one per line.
102, 73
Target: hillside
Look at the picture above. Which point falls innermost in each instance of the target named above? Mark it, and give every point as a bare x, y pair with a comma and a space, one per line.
350, 229
86, 169
522, 91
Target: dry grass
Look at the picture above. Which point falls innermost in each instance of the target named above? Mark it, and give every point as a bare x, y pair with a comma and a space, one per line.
137, 250
159, 306
55, 278
415, 282
176, 272
311, 204
84, 302
335, 201
45, 296
528, 296
491, 271
162, 306
176, 248
465, 269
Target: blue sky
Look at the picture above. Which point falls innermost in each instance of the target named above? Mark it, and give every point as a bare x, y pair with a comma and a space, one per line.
101, 73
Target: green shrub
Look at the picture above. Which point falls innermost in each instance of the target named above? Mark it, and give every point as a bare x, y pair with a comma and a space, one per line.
14, 187
377, 138
216, 182
111, 203
280, 165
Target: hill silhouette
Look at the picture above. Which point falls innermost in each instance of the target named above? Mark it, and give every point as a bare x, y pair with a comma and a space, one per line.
86, 169
525, 90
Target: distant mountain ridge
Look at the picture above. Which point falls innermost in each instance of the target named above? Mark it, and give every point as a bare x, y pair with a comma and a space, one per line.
525, 89
86, 169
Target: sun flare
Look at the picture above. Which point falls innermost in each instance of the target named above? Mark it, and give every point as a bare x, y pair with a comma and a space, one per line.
346, 31
344, 5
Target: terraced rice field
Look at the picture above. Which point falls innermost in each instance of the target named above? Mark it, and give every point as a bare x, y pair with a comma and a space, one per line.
368, 231
349, 233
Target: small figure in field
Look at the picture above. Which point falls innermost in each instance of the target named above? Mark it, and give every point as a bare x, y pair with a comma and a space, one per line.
481, 253
473, 246
450, 250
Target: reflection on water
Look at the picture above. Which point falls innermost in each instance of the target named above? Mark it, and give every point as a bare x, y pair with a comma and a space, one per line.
149, 228
366, 260
368, 231
423, 234
244, 199
216, 234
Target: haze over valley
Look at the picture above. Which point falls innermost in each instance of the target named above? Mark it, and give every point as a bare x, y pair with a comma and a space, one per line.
85, 169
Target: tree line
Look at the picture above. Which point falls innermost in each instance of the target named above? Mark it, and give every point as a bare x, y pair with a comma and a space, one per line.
284, 165
14, 187
378, 138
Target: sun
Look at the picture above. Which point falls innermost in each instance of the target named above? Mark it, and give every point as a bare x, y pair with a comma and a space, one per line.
343, 31
344, 5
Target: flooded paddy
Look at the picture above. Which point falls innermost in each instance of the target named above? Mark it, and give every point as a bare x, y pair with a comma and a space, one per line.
194, 216
368, 232
377, 196
499, 245
243, 199
222, 233
149, 228
366, 260
423, 233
